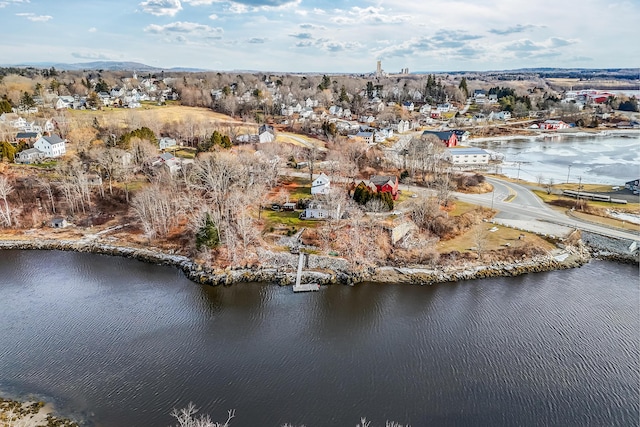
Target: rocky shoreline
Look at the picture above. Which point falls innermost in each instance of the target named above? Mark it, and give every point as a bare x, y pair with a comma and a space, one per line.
323, 270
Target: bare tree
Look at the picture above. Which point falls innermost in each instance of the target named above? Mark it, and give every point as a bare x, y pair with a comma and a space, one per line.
424, 211
5, 189
156, 208
187, 417
480, 239
110, 161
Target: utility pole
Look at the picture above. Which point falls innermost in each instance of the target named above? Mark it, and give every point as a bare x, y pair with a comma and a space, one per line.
518, 178
568, 174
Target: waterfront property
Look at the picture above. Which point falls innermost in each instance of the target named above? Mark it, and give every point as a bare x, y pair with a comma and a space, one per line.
467, 156
448, 138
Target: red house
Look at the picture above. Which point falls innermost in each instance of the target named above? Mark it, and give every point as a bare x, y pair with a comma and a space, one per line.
448, 138
386, 184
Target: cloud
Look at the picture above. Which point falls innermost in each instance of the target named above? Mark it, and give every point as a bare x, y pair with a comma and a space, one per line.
243, 6
213, 16
95, 56
180, 30
512, 30
526, 48
328, 45
5, 3
256, 40
161, 7
93, 30
312, 27
302, 35
359, 15
35, 18
444, 43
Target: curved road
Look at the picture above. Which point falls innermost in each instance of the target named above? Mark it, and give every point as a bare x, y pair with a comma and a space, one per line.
515, 201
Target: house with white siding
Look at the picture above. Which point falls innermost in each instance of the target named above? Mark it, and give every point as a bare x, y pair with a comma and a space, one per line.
467, 156
51, 146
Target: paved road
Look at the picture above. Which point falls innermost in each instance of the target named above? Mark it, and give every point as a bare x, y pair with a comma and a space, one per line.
518, 204
515, 202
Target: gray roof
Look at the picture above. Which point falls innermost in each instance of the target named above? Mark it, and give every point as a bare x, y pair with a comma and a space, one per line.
25, 135
53, 139
466, 151
382, 180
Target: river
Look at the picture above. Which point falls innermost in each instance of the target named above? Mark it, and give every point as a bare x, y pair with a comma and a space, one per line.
118, 342
596, 159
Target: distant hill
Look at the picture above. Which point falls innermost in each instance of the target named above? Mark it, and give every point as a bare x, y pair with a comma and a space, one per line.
104, 65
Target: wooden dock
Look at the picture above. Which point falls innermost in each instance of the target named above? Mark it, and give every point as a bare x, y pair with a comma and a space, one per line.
303, 287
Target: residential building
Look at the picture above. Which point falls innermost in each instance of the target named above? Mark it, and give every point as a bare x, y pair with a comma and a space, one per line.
467, 156
31, 155
448, 138
554, 125
386, 184
321, 185
51, 146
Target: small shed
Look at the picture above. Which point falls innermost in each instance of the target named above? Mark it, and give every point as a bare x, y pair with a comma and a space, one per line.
59, 222
289, 206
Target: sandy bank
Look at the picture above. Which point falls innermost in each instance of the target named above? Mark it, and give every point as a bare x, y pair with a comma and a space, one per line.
30, 414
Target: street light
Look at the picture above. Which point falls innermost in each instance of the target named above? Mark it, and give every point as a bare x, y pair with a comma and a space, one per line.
568, 174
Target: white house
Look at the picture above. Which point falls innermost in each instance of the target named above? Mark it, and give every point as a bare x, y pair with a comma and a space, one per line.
321, 185
316, 210
172, 163
466, 156
502, 115
266, 133
51, 146
366, 136
165, 143
32, 155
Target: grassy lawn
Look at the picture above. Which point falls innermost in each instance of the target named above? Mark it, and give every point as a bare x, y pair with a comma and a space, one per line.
613, 222
185, 152
548, 198
280, 219
461, 208
495, 240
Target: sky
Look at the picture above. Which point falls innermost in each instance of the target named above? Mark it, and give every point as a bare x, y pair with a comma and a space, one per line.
325, 36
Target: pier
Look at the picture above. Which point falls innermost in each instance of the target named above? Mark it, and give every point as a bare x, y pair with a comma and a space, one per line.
303, 287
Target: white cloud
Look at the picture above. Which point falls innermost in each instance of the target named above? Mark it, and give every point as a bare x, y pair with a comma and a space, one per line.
213, 16
161, 7
513, 29
96, 56
5, 3
93, 30
359, 15
178, 31
526, 48
35, 18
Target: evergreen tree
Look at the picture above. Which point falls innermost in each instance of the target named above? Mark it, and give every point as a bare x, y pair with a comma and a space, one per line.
5, 105
463, 86
207, 235
26, 100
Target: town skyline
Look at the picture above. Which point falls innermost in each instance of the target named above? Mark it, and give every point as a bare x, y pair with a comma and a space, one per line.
309, 36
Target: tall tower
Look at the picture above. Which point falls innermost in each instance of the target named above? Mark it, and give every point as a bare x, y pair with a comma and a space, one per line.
379, 68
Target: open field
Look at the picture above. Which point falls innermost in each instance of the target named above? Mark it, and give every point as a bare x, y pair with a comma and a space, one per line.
494, 240
164, 113
300, 140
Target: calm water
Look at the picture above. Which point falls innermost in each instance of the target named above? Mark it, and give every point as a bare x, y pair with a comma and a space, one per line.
611, 160
122, 343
